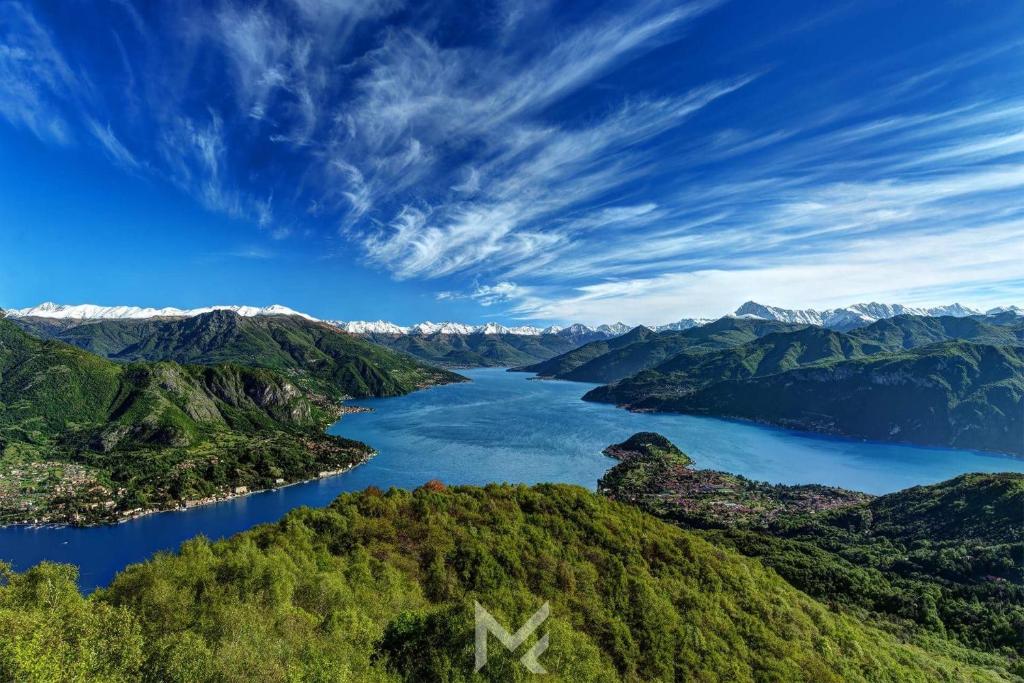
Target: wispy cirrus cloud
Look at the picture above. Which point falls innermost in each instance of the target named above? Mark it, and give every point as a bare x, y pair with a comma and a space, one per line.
553, 162
36, 83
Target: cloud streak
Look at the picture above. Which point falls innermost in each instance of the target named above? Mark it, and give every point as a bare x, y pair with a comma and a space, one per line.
548, 163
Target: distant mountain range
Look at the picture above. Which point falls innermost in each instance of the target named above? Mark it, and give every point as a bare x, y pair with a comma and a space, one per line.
312, 353
87, 440
56, 311
858, 315
843, 319
930, 380
49, 309
428, 328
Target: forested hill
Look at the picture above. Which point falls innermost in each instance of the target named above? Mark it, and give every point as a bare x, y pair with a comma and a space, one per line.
956, 394
640, 349
84, 439
314, 354
477, 349
944, 561
381, 587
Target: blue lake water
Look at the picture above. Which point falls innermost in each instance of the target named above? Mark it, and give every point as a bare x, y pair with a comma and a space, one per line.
503, 427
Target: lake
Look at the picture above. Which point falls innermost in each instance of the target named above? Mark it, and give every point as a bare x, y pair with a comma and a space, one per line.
503, 427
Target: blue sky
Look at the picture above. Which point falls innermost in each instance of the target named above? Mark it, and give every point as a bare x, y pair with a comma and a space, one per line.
512, 160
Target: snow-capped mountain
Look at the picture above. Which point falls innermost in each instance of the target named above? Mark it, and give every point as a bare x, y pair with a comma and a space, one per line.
615, 329
684, 324
94, 312
368, 327
848, 317
999, 310
428, 328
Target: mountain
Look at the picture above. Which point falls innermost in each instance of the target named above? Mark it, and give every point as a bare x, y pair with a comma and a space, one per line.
910, 331
73, 313
780, 351
953, 393
426, 329
1016, 310
566, 362
94, 312
476, 349
614, 329
684, 324
609, 361
889, 556
367, 327
848, 317
360, 590
84, 439
315, 354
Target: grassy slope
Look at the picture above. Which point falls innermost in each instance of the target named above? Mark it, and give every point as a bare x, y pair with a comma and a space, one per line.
381, 587
315, 354
77, 431
944, 562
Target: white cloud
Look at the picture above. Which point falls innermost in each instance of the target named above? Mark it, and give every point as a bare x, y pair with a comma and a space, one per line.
36, 83
501, 292
114, 148
916, 270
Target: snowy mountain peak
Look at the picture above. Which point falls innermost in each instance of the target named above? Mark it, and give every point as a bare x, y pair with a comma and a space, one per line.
428, 328
369, 327
615, 329
49, 309
848, 317
491, 328
999, 310
684, 324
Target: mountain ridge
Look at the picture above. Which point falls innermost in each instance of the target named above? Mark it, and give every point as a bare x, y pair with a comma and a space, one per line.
315, 354
85, 440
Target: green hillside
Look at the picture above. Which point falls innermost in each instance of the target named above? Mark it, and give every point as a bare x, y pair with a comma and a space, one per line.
316, 355
776, 352
952, 393
944, 561
84, 439
911, 331
605, 362
477, 350
559, 365
381, 587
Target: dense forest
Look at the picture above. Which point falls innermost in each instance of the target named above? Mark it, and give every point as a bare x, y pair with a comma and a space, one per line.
313, 354
944, 562
85, 440
936, 381
381, 586
641, 349
475, 349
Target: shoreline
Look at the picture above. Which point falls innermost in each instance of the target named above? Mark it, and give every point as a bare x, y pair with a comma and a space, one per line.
808, 431
187, 506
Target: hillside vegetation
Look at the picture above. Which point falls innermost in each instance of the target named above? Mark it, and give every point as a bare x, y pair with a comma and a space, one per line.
381, 587
640, 349
83, 439
316, 355
877, 382
944, 561
477, 350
